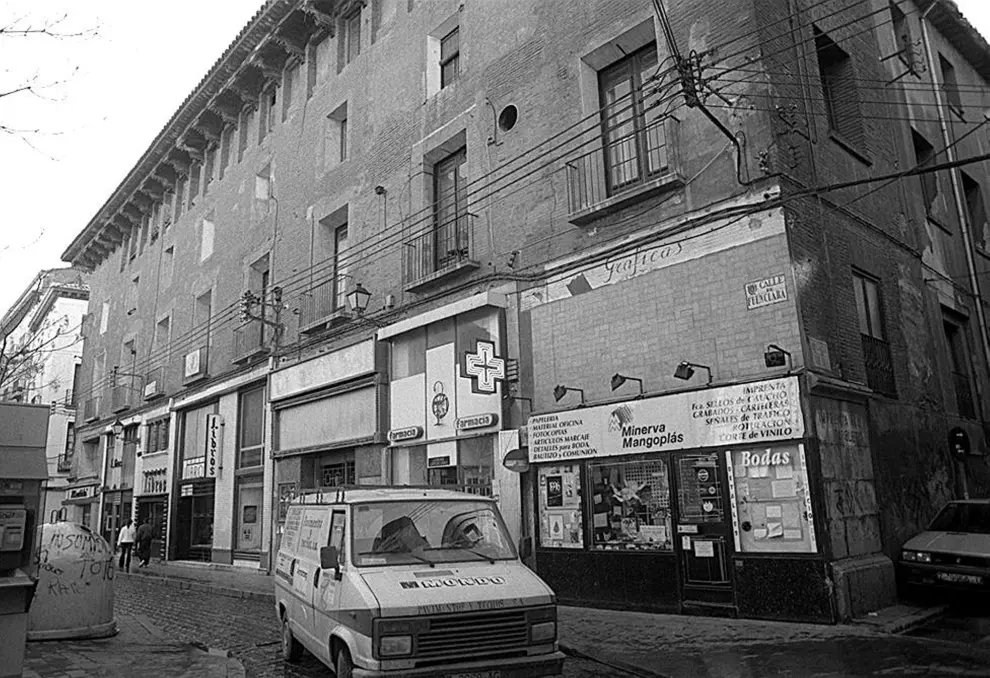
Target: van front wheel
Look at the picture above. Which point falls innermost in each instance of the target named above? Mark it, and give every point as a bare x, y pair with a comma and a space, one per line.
291, 649
344, 665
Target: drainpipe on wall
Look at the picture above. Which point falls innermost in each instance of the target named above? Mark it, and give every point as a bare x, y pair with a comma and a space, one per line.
964, 225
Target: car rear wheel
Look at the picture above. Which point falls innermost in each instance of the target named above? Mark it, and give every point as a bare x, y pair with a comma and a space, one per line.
344, 665
291, 649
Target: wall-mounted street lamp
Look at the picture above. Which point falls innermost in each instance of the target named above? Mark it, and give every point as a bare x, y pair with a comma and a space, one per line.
619, 379
686, 370
775, 356
559, 391
358, 299
118, 428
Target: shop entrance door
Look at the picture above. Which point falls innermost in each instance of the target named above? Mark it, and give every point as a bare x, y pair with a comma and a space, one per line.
116, 509
155, 510
703, 531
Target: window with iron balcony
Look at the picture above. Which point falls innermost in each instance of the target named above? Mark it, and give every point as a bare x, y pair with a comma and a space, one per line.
634, 151
446, 246
876, 350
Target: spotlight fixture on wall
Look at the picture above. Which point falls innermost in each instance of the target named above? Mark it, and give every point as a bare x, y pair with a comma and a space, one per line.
619, 379
775, 356
686, 370
559, 391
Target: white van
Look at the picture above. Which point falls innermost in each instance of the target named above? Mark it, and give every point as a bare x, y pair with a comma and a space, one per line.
403, 581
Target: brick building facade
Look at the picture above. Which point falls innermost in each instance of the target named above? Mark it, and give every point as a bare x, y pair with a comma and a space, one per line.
542, 218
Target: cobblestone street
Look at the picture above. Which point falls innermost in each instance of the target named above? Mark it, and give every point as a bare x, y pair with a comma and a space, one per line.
247, 627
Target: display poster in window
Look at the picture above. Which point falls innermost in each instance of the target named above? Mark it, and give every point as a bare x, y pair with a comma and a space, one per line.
286, 491
250, 515
630, 504
560, 506
771, 500
755, 413
699, 490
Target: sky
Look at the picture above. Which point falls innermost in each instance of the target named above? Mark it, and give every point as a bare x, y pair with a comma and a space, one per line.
104, 96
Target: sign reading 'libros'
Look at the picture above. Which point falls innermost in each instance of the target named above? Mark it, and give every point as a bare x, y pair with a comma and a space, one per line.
746, 413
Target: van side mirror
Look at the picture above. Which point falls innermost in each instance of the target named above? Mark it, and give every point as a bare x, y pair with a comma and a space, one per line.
329, 560
525, 547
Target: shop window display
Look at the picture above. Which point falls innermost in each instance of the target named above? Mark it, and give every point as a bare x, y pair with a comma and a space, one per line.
560, 506
630, 504
771, 504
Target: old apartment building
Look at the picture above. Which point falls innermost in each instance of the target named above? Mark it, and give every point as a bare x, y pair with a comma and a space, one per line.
41, 350
675, 262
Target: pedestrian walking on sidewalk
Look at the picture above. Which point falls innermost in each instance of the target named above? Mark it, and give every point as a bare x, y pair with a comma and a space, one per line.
145, 533
125, 542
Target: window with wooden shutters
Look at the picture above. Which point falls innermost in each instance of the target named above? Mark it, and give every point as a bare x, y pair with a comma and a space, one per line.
924, 156
633, 133
876, 348
950, 85
450, 53
976, 211
838, 80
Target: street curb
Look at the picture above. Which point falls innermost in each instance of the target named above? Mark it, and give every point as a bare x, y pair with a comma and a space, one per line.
193, 585
633, 669
913, 621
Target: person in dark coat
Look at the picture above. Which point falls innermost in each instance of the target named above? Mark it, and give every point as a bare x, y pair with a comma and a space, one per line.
145, 534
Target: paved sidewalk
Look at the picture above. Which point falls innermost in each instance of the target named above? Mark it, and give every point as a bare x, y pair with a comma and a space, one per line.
140, 649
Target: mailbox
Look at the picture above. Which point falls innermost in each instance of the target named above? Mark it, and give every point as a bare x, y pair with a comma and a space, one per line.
23, 470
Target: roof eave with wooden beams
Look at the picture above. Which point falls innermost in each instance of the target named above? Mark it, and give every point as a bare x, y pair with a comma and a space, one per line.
278, 32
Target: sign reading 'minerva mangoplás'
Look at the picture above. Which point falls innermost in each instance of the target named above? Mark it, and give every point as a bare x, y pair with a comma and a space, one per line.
763, 411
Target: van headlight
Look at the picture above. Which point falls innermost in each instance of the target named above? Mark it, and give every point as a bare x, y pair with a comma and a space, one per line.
916, 556
394, 646
544, 632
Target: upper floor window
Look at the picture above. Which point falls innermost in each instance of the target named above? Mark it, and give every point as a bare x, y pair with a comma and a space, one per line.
634, 139
157, 433
950, 85
838, 79
976, 211
954, 327
340, 266
450, 52
251, 428
450, 209
206, 240
351, 37
924, 155
876, 348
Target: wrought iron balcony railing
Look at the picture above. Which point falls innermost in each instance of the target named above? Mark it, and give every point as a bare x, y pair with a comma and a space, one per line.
92, 407
325, 305
440, 252
122, 397
965, 405
64, 463
622, 169
879, 366
249, 341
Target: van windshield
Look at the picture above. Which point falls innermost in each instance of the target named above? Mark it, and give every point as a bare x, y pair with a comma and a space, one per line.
428, 531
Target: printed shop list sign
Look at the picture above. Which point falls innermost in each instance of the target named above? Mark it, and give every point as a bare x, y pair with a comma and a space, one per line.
759, 412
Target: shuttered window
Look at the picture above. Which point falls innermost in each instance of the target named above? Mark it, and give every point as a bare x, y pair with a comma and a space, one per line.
838, 79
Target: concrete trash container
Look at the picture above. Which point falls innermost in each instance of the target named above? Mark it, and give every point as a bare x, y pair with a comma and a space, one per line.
74, 598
